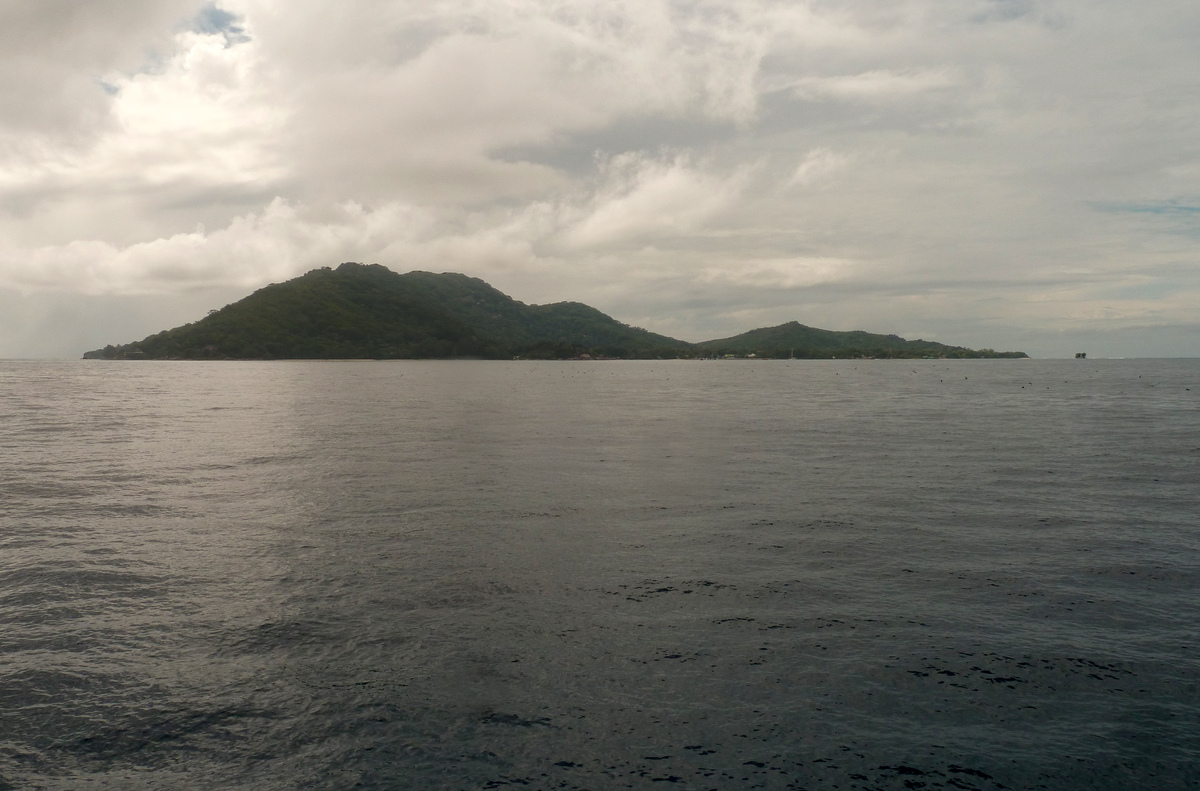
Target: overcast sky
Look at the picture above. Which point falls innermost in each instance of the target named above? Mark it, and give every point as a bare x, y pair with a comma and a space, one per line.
1015, 174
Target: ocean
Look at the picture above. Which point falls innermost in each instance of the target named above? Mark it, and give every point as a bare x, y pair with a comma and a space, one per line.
872, 574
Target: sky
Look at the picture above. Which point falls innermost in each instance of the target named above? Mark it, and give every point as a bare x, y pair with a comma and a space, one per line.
1009, 174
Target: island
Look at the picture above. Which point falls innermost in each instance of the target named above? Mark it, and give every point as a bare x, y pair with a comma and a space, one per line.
367, 311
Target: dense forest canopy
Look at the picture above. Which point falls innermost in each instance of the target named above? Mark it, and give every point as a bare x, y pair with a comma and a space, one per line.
359, 311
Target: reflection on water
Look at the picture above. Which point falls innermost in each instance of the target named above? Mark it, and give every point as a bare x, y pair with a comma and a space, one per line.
792, 574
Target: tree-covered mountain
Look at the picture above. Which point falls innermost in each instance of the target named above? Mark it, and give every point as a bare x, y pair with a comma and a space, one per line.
794, 339
369, 311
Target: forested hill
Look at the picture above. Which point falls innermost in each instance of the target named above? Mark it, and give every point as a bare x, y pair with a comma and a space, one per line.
369, 311
794, 339
359, 311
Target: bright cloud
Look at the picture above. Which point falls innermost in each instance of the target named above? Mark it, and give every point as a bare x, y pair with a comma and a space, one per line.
643, 199
875, 86
817, 165
787, 273
275, 244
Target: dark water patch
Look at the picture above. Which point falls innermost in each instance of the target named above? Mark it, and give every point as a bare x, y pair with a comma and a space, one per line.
498, 718
283, 636
444, 576
150, 738
36, 586
274, 459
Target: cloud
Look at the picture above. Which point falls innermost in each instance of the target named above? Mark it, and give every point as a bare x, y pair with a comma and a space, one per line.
212, 20
639, 199
818, 164
919, 163
200, 126
788, 273
54, 55
642, 199
278, 243
876, 86
426, 97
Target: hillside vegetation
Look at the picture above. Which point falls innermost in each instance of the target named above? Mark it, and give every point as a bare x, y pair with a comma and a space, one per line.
359, 311
794, 339
369, 311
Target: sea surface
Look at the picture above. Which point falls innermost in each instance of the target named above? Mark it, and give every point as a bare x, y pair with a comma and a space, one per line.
600, 575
